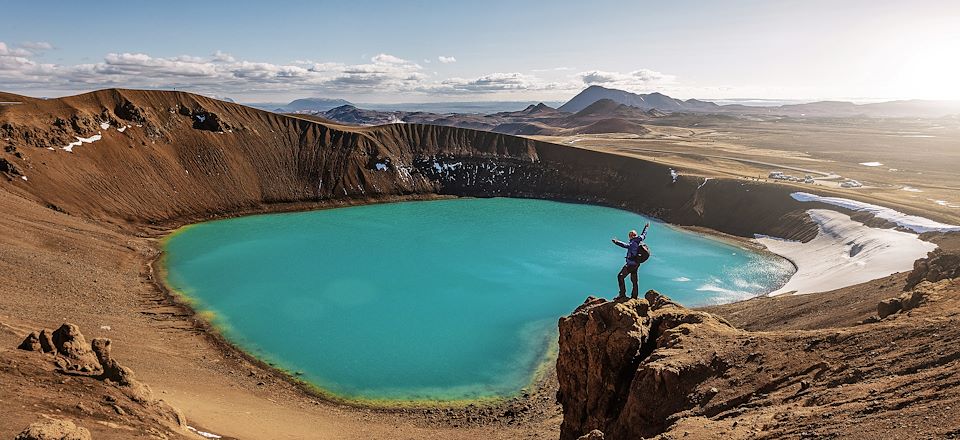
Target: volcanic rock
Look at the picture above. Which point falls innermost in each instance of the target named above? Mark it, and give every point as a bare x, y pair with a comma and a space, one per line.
75, 356
939, 265
128, 111
888, 307
71, 346
112, 370
618, 369
46, 341
31, 342
8, 168
592, 435
54, 429
924, 292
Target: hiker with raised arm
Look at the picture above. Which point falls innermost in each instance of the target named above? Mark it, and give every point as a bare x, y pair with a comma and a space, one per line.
637, 253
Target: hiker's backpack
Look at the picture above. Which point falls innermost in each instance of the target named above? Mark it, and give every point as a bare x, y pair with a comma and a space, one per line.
643, 253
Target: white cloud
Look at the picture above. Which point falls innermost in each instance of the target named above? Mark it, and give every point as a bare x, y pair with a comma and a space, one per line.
222, 57
636, 78
446, 60
496, 82
388, 59
13, 51
36, 45
224, 74
220, 72
554, 69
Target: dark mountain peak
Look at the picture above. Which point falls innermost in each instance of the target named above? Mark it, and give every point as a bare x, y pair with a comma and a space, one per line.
314, 104
345, 107
600, 106
654, 113
648, 101
539, 108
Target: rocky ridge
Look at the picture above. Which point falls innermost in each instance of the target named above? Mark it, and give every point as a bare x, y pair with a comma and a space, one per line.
648, 368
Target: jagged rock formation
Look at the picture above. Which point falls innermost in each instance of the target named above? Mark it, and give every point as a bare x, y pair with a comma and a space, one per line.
652, 369
68, 344
939, 265
73, 355
54, 429
621, 370
921, 294
596, 434
73, 350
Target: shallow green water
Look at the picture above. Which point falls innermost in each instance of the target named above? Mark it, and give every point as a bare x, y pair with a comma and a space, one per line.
442, 300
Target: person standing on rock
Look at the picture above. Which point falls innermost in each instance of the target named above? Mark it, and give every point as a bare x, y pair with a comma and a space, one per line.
637, 252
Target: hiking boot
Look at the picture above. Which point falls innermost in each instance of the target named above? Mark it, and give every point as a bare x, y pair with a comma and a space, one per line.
633, 295
620, 297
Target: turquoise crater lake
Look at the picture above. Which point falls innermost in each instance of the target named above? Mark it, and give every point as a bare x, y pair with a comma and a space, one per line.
434, 301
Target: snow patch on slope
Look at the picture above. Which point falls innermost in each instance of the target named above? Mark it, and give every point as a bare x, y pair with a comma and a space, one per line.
845, 252
912, 222
81, 140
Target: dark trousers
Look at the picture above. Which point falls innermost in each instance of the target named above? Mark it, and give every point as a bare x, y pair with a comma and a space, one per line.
628, 269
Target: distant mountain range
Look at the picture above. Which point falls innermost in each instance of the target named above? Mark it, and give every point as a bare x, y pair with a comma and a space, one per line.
650, 101
312, 105
482, 114
892, 109
603, 116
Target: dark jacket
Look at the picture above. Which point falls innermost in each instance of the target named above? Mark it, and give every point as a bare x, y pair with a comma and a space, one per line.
633, 248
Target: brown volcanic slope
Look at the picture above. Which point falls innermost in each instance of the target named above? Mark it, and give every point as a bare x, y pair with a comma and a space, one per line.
169, 166
81, 229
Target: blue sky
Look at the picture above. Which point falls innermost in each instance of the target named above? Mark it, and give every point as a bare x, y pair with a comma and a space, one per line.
492, 50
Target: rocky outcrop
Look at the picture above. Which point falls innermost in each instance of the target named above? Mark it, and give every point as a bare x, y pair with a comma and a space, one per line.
73, 355
939, 265
622, 369
112, 370
924, 283
73, 350
592, 435
921, 294
67, 344
8, 168
54, 429
205, 120
128, 111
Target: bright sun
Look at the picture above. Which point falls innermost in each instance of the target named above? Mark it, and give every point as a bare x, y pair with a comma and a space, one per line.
929, 68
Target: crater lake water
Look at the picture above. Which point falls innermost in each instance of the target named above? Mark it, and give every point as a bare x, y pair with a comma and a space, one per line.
439, 300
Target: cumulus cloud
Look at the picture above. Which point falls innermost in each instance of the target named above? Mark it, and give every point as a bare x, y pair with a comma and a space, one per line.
13, 51
636, 78
222, 57
135, 64
220, 72
36, 45
446, 60
495, 82
224, 74
554, 69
